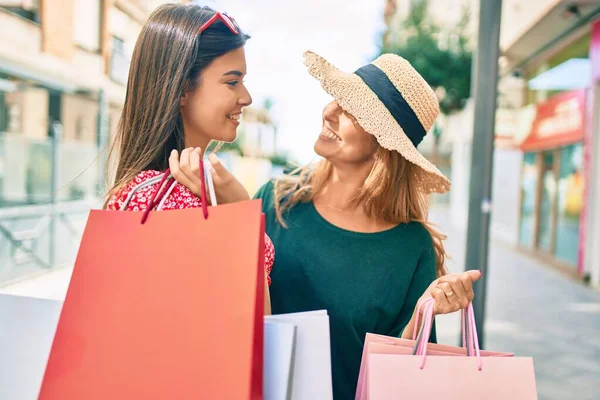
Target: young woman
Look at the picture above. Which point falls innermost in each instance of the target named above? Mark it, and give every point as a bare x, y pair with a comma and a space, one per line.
185, 90
352, 234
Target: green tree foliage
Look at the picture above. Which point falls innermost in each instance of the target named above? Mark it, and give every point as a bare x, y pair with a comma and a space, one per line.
442, 58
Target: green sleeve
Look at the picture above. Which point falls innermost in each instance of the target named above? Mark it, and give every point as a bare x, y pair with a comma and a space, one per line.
425, 273
265, 193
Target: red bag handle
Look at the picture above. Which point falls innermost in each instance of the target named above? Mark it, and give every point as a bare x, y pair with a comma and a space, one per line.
162, 191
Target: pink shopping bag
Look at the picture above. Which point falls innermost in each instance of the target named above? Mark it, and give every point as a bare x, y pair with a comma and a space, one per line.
415, 369
380, 344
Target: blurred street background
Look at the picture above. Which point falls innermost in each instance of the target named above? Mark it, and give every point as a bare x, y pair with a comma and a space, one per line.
63, 71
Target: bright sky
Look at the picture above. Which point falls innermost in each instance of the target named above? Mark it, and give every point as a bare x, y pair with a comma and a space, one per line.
345, 32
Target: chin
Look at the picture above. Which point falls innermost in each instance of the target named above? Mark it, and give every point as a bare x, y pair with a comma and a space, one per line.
322, 150
229, 137
317, 149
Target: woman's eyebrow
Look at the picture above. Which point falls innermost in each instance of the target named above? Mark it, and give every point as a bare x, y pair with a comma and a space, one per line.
233, 72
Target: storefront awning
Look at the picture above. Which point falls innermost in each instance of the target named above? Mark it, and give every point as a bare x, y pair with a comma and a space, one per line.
513, 126
561, 21
572, 74
558, 122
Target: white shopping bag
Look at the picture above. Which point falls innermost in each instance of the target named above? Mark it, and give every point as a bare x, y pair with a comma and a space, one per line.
27, 328
312, 359
279, 349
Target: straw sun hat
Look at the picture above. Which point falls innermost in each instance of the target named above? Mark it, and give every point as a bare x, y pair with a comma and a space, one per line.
391, 101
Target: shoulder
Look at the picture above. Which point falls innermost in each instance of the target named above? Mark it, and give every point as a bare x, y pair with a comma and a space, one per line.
267, 194
177, 196
265, 190
418, 238
426, 247
421, 233
118, 199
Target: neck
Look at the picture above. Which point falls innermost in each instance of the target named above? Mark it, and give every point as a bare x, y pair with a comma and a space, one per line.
344, 182
194, 139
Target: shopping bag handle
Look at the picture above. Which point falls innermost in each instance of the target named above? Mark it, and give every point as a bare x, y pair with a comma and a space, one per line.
210, 188
466, 342
420, 347
163, 189
140, 186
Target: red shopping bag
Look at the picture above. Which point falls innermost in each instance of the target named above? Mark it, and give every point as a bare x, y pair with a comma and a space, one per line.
168, 309
393, 368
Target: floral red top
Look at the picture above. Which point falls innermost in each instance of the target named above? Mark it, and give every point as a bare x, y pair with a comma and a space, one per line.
179, 198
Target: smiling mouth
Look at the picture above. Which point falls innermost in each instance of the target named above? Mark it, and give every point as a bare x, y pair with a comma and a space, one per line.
234, 117
328, 134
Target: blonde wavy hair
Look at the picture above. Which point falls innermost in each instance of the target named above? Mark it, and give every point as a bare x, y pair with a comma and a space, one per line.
390, 193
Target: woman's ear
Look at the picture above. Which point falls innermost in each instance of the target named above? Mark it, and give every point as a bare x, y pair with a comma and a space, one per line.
187, 93
184, 99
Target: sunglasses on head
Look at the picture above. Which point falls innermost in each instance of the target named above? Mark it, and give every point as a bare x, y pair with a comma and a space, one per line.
226, 19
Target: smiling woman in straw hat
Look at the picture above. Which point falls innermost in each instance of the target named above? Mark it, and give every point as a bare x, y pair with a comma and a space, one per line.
351, 233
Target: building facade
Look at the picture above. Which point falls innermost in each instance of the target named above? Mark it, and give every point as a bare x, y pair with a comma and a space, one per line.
66, 62
63, 70
557, 58
546, 179
545, 161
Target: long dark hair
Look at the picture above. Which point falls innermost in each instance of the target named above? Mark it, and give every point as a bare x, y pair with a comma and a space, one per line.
167, 61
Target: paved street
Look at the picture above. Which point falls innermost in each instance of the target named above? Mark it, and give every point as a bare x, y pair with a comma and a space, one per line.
533, 310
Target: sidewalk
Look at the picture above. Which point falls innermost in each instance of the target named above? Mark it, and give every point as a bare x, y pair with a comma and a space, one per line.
533, 310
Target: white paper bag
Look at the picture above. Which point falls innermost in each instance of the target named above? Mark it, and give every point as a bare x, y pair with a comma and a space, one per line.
279, 349
312, 359
27, 328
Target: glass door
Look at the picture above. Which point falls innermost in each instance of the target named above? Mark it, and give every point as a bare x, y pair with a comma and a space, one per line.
529, 185
546, 211
570, 203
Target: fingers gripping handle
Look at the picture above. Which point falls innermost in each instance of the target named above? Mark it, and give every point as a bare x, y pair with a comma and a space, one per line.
469, 332
165, 189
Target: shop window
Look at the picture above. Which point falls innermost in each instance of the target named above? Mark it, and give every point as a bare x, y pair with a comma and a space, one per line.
547, 202
14, 118
119, 62
86, 24
80, 128
570, 203
3, 113
529, 183
28, 9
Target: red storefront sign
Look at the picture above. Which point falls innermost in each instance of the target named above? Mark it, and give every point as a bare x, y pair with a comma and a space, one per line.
558, 122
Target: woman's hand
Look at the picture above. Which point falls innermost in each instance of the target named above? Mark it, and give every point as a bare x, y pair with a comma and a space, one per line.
452, 292
185, 168
228, 189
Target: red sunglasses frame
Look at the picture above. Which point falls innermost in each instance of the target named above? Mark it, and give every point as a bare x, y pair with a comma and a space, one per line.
226, 19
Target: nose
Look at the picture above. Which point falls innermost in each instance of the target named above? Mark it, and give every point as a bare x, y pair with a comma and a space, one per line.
331, 111
245, 99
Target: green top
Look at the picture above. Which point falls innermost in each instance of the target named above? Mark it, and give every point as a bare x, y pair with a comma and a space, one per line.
367, 282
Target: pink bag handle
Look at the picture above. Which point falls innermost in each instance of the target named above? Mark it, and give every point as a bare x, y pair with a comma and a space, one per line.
426, 325
425, 332
467, 334
473, 334
163, 189
416, 325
